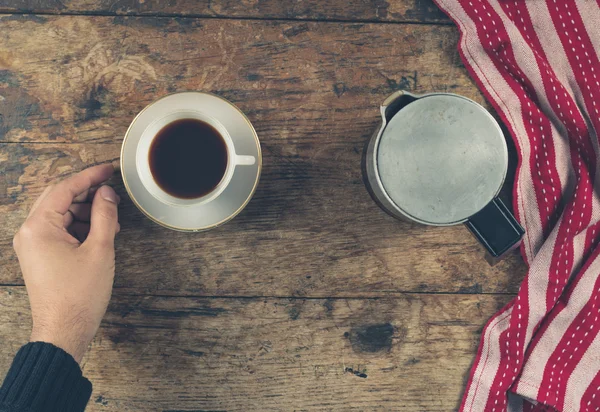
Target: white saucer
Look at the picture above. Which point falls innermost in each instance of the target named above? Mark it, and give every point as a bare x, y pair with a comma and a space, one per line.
234, 197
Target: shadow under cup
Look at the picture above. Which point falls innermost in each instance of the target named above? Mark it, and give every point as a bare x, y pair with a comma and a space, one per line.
189, 148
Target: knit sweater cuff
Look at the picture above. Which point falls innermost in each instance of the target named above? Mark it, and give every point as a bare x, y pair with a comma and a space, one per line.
44, 377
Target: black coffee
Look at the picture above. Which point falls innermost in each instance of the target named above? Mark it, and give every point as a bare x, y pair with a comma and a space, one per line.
188, 158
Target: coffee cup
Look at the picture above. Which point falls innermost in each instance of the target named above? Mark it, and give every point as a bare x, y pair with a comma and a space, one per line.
175, 145
154, 129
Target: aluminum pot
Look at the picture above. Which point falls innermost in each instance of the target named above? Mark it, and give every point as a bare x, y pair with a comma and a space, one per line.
440, 159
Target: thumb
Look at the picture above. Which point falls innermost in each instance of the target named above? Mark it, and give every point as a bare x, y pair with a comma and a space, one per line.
103, 222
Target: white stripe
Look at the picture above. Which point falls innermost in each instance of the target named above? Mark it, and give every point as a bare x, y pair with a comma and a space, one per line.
582, 376
487, 368
540, 267
590, 15
527, 63
537, 362
578, 249
533, 370
537, 282
557, 59
555, 54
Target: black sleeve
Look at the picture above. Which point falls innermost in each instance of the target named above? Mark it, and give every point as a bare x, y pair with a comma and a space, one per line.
45, 378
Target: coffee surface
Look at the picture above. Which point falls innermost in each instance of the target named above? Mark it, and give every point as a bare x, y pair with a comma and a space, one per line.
188, 158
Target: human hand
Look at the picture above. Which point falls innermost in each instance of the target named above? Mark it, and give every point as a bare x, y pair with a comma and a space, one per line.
67, 256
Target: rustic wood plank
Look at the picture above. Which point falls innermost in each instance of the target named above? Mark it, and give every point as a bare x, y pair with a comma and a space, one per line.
312, 91
76, 79
161, 353
311, 230
422, 11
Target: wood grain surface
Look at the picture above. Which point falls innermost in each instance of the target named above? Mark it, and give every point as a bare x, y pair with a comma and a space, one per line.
311, 230
311, 89
312, 299
422, 11
314, 84
153, 353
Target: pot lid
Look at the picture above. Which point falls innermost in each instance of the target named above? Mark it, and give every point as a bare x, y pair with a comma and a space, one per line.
441, 159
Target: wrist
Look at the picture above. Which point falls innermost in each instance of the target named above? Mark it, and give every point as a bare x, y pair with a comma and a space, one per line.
74, 346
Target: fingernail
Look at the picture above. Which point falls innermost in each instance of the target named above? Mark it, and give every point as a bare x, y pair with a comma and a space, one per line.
116, 164
107, 193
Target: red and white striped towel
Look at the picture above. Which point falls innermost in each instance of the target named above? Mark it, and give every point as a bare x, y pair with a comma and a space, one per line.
538, 64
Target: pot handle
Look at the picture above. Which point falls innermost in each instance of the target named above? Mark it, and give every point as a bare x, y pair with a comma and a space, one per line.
496, 228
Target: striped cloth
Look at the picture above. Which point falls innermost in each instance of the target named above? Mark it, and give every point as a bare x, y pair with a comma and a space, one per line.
537, 63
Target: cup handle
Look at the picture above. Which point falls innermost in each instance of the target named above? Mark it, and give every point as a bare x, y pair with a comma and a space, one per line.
496, 228
244, 160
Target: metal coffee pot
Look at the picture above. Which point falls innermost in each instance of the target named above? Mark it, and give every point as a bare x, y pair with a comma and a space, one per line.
440, 159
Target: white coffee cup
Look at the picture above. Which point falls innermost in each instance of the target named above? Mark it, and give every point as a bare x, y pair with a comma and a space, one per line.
143, 152
236, 187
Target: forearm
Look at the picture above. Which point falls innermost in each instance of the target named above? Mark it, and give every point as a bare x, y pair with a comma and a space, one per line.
43, 377
66, 252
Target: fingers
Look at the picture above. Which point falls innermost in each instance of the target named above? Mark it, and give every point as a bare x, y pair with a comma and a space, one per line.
79, 230
104, 217
60, 197
86, 196
39, 200
80, 212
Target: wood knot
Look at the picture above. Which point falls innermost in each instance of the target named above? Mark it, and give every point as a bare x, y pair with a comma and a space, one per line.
371, 338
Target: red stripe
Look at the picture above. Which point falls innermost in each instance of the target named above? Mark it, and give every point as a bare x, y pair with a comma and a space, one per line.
558, 308
542, 163
579, 142
591, 398
543, 159
571, 30
560, 269
569, 351
490, 18
591, 240
582, 58
519, 14
572, 34
501, 54
577, 213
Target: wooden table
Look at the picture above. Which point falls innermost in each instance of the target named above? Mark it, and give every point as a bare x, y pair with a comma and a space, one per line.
311, 299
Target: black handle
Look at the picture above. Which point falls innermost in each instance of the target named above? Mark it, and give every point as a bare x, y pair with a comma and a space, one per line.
496, 228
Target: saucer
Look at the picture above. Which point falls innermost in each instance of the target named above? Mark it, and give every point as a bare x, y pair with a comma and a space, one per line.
231, 201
